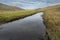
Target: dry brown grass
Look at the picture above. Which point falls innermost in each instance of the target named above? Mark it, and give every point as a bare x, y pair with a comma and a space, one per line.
52, 21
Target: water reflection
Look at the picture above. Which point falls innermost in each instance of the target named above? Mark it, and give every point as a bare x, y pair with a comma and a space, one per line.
29, 28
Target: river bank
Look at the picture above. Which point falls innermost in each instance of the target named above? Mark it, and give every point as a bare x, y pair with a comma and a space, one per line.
52, 21
8, 16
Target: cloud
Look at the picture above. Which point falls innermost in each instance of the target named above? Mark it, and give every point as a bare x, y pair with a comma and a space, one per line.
27, 4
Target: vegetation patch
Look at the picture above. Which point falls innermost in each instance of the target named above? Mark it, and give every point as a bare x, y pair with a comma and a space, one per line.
7, 16
52, 21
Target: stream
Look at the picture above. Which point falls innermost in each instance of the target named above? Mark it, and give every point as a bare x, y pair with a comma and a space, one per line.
29, 28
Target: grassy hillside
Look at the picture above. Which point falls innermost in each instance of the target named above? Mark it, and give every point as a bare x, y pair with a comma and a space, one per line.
52, 21
6, 7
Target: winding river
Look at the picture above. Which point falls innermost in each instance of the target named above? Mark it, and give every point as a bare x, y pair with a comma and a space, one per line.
29, 28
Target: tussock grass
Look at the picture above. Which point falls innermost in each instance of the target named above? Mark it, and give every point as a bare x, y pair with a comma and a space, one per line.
52, 21
7, 16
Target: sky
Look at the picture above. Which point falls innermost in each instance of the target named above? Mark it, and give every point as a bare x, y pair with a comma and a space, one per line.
29, 4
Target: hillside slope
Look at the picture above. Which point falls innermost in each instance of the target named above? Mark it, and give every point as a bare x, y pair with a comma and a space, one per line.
6, 7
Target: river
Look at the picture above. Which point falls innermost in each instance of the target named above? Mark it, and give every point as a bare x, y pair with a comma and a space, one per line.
29, 28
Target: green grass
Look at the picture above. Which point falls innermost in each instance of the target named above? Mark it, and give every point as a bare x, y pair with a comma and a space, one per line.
52, 21
7, 16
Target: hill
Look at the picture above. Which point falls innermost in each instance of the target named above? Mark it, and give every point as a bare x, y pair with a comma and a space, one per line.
7, 7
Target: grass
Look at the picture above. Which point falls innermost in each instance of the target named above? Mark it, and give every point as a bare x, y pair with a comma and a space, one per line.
52, 21
7, 16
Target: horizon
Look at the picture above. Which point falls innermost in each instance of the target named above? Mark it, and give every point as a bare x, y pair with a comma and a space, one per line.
30, 4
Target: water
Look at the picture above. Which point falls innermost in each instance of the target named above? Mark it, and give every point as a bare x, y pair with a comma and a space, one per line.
29, 28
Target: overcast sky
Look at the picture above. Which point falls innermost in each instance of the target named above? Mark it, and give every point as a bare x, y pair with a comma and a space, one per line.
29, 4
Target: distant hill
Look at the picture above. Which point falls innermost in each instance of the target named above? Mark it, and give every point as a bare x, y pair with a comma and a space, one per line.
52, 8
7, 7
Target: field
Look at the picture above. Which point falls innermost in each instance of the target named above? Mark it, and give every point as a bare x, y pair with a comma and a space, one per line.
52, 21
7, 16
